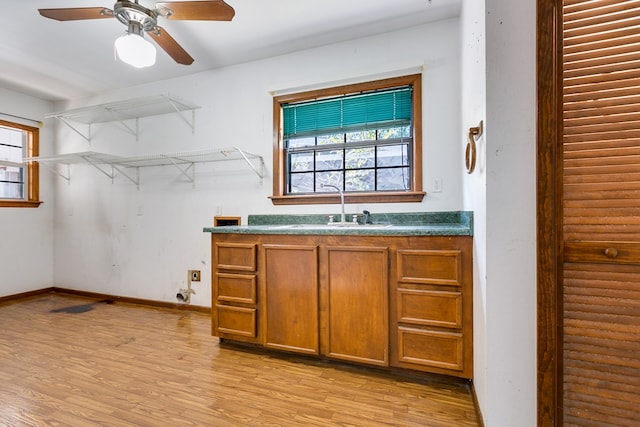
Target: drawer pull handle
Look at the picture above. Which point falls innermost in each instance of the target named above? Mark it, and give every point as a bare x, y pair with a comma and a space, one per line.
611, 252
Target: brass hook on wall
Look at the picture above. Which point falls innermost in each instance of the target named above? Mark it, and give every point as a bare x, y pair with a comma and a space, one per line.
470, 150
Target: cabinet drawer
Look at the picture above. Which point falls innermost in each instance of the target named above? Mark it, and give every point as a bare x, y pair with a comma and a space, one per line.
237, 287
431, 267
235, 256
236, 320
430, 308
430, 348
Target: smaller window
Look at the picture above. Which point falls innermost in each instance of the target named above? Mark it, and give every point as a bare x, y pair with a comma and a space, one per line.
363, 138
18, 180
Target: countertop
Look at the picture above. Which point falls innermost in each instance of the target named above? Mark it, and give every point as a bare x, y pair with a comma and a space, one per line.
456, 223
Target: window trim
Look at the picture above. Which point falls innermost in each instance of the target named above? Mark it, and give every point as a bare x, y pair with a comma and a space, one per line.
414, 194
32, 189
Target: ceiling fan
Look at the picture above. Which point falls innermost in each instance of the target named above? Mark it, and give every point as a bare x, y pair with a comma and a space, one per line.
132, 47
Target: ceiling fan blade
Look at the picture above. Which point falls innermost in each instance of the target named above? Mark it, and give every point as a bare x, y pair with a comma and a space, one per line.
168, 43
77, 13
212, 10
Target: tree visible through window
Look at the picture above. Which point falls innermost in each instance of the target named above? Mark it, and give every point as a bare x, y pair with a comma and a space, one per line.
18, 180
365, 139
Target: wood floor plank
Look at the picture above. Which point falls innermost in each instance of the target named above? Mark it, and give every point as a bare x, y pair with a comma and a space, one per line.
72, 361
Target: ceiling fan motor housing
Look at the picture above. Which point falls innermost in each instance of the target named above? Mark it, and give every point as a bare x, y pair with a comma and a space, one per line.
128, 12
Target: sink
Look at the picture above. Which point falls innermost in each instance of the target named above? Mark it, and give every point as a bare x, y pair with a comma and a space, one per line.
330, 226
279, 227
342, 225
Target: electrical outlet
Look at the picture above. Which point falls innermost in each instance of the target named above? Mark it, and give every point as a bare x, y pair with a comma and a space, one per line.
436, 185
195, 275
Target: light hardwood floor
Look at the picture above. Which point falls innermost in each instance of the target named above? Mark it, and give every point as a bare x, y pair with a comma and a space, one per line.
72, 361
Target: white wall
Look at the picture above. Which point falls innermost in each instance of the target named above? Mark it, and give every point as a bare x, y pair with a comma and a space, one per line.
115, 239
506, 337
26, 234
474, 85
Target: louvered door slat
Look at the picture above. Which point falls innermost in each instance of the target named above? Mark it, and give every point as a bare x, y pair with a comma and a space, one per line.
579, 27
600, 107
578, 8
619, 93
618, 374
601, 196
608, 129
604, 170
605, 136
597, 148
578, 47
584, 57
601, 149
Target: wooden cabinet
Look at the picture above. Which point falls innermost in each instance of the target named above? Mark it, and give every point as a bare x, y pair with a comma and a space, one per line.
398, 301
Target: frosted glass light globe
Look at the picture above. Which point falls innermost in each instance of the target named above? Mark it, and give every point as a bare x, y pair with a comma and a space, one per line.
134, 50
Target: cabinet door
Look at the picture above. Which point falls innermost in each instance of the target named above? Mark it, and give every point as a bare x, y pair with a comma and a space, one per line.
291, 290
355, 286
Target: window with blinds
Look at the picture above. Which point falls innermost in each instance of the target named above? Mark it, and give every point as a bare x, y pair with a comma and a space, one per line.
18, 180
362, 138
358, 142
12, 150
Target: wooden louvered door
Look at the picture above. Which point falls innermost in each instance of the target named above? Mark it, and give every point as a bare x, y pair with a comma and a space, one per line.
601, 213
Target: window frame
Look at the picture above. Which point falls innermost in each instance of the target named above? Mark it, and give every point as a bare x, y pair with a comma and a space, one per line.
414, 194
32, 169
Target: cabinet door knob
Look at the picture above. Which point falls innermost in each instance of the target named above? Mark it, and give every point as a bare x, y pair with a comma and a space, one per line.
611, 252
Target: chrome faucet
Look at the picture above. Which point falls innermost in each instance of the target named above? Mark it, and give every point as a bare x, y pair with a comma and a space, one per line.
366, 217
342, 220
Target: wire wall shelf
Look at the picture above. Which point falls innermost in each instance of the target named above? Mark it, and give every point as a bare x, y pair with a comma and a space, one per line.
128, 167
124, 112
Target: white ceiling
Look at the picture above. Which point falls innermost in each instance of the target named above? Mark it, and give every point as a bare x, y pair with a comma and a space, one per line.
73, 59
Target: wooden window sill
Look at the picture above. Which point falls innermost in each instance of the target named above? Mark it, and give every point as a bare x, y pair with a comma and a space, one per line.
319, 199
19, 203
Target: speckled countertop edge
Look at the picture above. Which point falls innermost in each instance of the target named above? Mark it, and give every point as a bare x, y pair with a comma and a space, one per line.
455, 223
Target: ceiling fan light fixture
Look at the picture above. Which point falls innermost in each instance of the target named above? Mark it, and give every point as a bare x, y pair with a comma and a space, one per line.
134, 50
